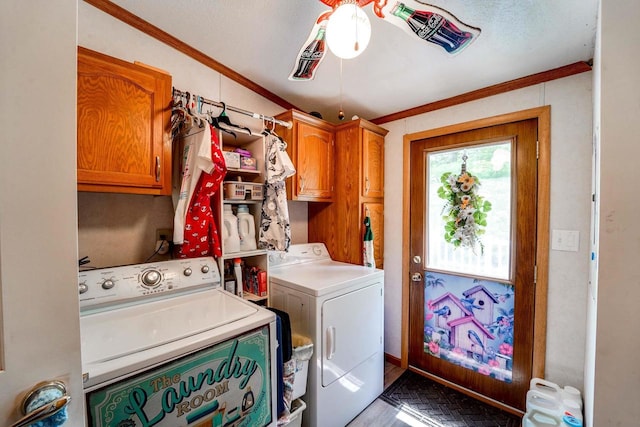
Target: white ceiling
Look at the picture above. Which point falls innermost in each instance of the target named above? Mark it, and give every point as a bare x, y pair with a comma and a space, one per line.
260, 39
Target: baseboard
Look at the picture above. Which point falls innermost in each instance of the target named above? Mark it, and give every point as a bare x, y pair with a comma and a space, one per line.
392, 359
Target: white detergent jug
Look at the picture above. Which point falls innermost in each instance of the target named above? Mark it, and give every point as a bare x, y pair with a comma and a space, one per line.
230, 235
569, 396
246, 229
554, 391
538, 419
547, 398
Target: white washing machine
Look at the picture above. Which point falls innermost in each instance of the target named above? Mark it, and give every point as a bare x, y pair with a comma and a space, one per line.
341, 308
164, 345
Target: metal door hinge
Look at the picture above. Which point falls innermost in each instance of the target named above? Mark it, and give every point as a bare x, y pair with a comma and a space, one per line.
535, 274
537, 149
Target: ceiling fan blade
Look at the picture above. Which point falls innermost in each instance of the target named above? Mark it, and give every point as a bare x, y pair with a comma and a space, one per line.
312, 51
430, 23
335, 3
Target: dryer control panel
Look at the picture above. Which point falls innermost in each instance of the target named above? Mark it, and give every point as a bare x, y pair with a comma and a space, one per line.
132, 283
300, 253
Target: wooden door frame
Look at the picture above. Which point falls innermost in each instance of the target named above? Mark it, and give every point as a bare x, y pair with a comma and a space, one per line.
543, 115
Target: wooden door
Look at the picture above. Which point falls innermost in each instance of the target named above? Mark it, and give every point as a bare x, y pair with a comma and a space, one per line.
39, 315
123, 114
314, 177
372, 164
472, 309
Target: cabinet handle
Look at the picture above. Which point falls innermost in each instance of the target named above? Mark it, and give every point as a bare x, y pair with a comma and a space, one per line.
301, 184
367, 185
157, 168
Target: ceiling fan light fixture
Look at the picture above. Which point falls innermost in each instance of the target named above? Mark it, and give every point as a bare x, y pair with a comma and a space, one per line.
348, 31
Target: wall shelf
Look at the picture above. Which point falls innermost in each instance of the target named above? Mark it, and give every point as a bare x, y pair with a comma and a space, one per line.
244, 254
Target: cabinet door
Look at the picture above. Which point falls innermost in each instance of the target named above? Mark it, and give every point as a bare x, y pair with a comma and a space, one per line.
314, 177
372, 164
123, 113
351, 331
376, 214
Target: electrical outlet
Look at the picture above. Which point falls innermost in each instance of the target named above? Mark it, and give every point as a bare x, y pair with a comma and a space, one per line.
164, 237
164, 234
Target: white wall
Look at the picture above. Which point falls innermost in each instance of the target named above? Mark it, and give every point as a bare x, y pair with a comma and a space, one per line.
614, 365
571, 116
120, 229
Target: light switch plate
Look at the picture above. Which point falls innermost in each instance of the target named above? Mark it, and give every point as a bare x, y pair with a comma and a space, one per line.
565, 240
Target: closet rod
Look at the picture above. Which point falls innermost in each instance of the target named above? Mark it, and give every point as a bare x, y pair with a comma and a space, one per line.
288, 125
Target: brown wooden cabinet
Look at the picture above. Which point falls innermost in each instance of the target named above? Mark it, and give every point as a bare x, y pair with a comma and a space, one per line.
123, 117
359, 189
310, 144
372, 164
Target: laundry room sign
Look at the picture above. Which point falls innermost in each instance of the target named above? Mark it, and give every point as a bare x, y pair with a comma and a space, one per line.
226, 384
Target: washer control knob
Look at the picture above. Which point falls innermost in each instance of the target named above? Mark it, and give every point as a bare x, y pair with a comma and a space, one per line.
205, 269
187, 271
108, 284
83, 287
151, 278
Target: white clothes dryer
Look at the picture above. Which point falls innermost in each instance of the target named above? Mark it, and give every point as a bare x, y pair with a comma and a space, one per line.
340, 307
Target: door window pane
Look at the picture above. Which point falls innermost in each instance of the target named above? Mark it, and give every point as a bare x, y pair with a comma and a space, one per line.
492, 165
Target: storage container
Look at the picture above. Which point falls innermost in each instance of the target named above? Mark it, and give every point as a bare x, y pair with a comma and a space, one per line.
297, 407
248, 163
231, 159
257, 191
236, 190
302, 355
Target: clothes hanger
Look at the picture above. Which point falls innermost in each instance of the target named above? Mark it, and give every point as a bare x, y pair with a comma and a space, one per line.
215, 121
223, 119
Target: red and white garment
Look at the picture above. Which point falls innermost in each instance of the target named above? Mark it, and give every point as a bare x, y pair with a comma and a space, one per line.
200, 234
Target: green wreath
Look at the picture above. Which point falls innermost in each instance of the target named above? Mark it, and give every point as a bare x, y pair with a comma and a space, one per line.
465, 213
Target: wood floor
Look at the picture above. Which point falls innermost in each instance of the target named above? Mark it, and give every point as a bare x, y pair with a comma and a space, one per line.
380, 413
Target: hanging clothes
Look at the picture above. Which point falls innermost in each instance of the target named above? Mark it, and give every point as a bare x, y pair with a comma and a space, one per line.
196, 158
275, 230
368, 256
200, 235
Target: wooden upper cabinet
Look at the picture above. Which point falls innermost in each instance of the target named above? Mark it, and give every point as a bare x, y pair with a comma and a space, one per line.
123, 126
310, 144
372, 164
359, 191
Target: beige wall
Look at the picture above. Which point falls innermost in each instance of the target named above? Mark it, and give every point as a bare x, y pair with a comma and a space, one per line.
571, 109
115, 229
613, 353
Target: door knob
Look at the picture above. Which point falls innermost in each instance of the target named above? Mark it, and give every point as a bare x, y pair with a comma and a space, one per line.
54, 393
416, 277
